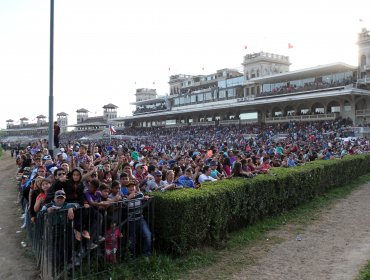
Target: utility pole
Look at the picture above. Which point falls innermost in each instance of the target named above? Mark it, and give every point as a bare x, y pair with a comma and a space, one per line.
51, 75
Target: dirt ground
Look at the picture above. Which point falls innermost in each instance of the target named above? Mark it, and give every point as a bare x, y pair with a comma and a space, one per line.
16, 262
335, 246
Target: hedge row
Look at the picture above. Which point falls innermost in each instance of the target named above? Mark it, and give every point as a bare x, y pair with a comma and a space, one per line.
189, 218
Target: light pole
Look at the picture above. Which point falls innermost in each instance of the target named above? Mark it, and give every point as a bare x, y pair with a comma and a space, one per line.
51, 75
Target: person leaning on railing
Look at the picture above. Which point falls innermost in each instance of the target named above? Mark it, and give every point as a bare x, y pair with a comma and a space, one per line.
137, 223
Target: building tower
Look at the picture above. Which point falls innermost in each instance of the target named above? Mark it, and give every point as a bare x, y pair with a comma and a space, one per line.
364, 59
110, 111
24, 121
264, 64
145, 94
9, 123
63, 121
82, 115
41, 120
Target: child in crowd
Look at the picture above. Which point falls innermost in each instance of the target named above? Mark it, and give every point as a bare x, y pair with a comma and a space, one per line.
112, 235
40, 199
115, 194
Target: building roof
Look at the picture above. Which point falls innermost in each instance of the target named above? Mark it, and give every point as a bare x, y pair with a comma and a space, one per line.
82, 110
110, 106
24, 119
94, 120
10, 120
41, 117
305, 73
62, 114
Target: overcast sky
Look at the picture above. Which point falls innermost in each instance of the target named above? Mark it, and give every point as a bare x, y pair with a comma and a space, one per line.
104, 50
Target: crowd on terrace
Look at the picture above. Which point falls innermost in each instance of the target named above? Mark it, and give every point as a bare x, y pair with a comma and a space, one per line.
96, 173
310, 86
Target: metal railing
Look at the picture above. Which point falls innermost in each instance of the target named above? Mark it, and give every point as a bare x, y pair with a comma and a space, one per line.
93, 241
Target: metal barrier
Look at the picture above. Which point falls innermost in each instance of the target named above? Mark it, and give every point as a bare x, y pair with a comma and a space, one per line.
93, 241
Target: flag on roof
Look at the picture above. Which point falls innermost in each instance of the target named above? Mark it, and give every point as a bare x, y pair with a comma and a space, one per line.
290, 46
111, 129
245, 47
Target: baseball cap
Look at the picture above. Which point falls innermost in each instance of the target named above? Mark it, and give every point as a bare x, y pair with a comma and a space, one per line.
157, 173
60, 193
139, 165
47, 157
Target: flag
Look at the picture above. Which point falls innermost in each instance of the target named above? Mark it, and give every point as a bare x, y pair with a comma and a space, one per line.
203, 68
111, 129
153, 83
360, 20
169, 69
245, 47
290, 46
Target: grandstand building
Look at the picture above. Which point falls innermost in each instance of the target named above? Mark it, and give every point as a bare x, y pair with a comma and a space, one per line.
97, 123
24, 130
266, 91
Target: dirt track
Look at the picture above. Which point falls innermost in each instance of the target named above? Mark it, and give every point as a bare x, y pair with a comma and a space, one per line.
335, 246
16, 262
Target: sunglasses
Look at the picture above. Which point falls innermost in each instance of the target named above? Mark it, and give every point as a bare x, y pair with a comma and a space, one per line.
60, 174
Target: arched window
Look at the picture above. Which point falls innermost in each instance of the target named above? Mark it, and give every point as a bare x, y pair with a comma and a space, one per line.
363, 60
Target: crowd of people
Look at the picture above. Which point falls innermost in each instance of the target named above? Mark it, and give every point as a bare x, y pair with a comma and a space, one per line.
96, 174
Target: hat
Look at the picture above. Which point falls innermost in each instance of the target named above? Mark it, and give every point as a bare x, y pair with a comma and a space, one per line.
62, 149
60, 193
213, 163
139, 165
157, 173
58, 154
47, 157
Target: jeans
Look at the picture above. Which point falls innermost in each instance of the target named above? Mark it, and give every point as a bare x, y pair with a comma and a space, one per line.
141, 227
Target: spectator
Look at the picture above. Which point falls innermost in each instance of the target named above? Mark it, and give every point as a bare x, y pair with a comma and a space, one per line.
56, 134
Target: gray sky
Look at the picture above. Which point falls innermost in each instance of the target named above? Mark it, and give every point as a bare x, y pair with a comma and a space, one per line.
104, 50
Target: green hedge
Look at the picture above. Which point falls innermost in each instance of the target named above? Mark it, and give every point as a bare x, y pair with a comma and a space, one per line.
190, 218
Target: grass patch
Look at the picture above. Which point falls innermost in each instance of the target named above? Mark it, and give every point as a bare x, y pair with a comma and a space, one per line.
165, 267
365, 273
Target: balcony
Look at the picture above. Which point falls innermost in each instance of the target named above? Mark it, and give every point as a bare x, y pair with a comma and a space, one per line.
363, 113
203, 123
302, 118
